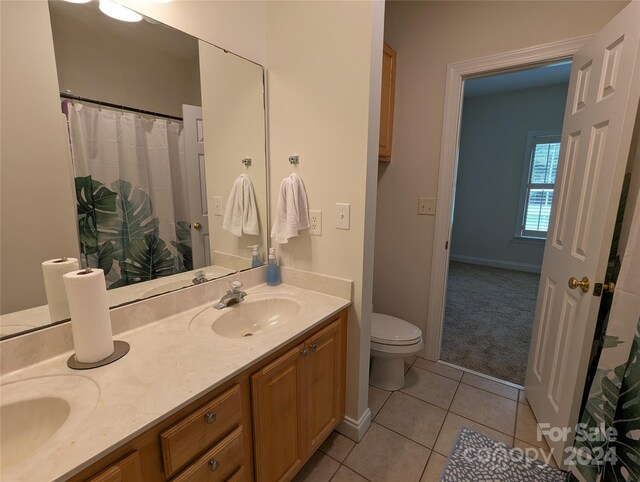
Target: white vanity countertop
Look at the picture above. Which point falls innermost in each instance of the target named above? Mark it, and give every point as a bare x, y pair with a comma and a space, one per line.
169, 366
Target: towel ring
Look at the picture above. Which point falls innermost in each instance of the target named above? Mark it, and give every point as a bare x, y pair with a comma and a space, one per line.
295, 160
246, 162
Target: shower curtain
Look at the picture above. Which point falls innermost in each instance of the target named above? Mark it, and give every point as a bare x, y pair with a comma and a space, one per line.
131, 194
607, 446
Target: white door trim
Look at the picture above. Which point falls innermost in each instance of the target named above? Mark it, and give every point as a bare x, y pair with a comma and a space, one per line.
456, 73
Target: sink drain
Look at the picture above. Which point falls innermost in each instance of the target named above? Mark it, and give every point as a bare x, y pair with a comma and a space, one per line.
247, 334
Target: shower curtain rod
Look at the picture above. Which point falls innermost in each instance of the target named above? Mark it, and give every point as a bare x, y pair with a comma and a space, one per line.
67, 95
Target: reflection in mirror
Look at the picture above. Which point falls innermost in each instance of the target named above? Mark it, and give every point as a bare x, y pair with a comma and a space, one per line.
167, 144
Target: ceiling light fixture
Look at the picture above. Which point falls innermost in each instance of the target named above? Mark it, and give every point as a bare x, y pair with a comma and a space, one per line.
117, 11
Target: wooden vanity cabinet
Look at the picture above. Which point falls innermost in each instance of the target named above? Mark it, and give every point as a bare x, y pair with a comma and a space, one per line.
297, 401
387, 102
213, 430
274, 415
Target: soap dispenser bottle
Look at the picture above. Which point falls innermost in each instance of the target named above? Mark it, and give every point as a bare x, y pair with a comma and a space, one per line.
255, 256
273, 270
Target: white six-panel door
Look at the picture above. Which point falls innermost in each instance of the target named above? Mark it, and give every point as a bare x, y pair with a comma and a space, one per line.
196, 183
601, 107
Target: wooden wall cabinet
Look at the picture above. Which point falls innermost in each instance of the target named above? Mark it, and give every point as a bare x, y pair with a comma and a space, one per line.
298, 400
387, 102
297, 397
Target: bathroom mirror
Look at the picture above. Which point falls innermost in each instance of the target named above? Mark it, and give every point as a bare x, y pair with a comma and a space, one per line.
168, 155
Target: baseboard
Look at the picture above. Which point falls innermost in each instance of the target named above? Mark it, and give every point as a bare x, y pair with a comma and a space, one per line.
355, 429
494, 263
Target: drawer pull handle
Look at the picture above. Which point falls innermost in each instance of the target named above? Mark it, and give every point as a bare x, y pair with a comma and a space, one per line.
213, 465
313, 346
209, 417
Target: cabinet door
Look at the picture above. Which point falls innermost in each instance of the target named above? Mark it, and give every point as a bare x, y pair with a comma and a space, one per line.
278, 417
325, 390
387, 102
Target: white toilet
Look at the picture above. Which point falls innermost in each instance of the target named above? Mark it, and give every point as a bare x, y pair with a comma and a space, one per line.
392, 340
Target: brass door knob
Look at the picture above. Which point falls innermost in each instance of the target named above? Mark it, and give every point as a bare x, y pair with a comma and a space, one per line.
583, 284
197, 226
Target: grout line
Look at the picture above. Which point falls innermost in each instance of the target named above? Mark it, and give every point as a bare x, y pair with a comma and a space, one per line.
405, 437
489, 391
422, 400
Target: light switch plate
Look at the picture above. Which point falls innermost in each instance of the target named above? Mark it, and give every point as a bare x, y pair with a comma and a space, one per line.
315, 220
217, 205
343, 215
427, 205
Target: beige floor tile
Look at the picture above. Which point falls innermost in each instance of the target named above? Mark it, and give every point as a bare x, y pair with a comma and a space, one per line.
430, 387
383, 455
413, 418
408, 362
522, 398
452, 425
345, 474
439, 368
489, 409
527, 427
319, 468
337, 446
534, 452
377, 397
490, 386
434, 469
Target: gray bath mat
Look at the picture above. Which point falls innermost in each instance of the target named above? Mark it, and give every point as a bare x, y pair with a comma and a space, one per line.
478, 458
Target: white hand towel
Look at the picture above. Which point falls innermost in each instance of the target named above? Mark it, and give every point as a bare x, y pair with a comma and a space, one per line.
241, 212
300, 202
249, 208
292, 212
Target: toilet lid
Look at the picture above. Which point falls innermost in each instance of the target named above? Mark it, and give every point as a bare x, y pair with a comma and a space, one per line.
390, 330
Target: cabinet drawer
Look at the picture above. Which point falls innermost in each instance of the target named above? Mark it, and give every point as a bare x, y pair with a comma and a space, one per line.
218, 463
238, 476
128, 469
195, 433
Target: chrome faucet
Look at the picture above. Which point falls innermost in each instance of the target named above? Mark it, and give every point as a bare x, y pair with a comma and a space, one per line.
233, 296
200, 278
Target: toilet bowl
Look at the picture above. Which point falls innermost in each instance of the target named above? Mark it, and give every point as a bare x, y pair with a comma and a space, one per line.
392, 340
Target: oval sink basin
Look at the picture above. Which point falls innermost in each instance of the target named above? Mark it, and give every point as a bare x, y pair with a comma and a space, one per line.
259, 313
35, 410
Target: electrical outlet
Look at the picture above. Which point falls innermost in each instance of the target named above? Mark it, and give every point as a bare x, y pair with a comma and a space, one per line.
427, 205
343, 215
315, 220
217, 206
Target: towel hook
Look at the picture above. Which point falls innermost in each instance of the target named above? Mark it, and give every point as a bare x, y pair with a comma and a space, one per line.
295, 160
246, 162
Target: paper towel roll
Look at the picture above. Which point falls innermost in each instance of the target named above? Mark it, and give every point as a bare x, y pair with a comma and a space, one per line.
52, 272
90, 319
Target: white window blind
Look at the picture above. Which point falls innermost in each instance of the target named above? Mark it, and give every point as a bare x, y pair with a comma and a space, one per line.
538, 196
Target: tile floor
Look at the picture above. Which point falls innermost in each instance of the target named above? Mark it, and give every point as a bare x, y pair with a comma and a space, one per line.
414, 429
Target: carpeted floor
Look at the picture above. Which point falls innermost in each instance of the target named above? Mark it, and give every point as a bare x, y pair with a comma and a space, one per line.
488, 319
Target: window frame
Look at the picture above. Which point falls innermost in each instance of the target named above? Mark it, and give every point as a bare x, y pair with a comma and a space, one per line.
553, 135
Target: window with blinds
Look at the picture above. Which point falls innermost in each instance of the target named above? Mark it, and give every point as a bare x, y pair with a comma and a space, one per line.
541, 167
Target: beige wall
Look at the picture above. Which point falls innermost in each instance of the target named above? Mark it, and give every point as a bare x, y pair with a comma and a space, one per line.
323, 57
234, 129
427, 36
100, 64
37, 203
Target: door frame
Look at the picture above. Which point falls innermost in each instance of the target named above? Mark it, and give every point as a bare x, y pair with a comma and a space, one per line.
456, 74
